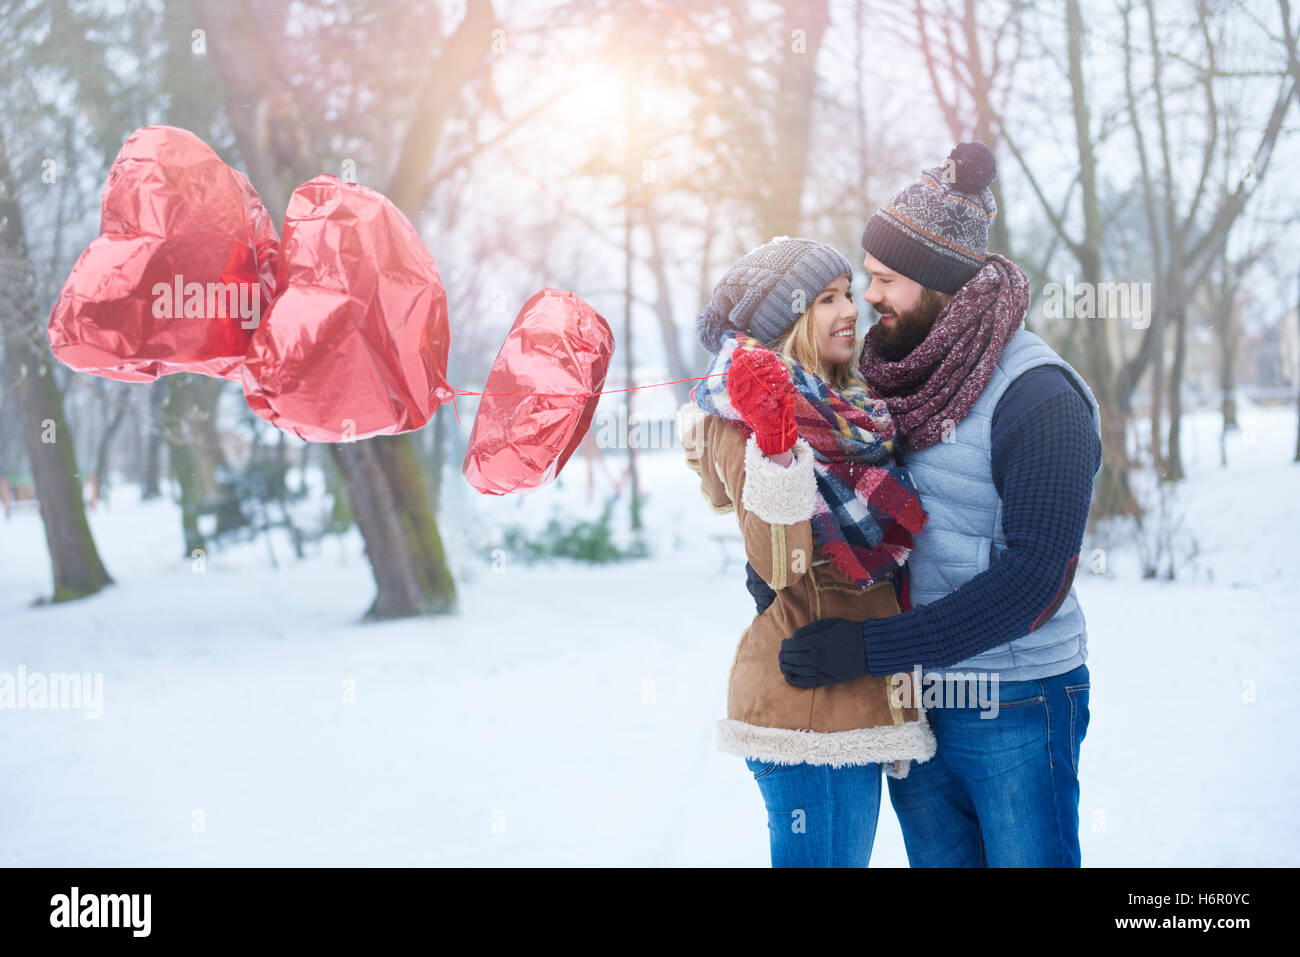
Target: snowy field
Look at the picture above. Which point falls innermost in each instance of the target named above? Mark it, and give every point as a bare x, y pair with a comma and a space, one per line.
566, 714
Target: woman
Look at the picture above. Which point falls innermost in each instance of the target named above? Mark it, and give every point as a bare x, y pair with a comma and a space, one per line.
785, 432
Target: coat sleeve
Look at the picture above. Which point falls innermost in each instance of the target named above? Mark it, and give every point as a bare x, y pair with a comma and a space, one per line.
773, 503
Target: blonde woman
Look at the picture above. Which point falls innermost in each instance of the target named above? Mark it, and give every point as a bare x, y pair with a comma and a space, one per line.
790, 438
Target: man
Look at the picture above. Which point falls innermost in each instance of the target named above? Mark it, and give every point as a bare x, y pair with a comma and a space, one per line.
1003, 439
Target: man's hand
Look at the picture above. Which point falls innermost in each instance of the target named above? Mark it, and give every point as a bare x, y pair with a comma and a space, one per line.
760, 590
828, 651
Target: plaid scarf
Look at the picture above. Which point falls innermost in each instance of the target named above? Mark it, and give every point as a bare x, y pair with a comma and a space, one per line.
866, 509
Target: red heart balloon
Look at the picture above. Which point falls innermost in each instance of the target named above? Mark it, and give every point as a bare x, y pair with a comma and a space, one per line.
356, 343
181, 272
559, 347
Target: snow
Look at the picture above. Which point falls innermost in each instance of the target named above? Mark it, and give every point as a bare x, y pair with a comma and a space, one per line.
565, 715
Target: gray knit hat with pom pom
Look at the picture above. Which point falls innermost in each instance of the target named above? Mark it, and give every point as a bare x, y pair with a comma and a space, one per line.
936, 231
767, 289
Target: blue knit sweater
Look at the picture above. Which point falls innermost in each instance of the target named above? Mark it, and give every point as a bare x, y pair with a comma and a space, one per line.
1044, 456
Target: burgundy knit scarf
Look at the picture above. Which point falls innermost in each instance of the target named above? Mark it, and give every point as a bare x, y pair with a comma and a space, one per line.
939, 380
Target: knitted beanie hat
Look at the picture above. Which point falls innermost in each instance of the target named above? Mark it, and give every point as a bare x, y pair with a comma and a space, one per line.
767, 289
936, 231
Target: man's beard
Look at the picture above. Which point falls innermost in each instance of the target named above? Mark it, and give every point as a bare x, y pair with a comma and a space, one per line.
909, 329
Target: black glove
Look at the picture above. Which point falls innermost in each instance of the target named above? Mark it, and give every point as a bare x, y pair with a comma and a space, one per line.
828, 651
761, 590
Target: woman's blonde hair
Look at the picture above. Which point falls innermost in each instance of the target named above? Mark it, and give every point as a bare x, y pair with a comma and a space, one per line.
800, 344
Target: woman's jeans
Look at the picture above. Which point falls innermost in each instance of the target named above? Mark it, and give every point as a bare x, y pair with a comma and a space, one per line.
1001, 791
819, 816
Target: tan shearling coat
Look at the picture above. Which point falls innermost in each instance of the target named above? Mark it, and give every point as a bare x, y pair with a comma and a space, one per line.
854, 722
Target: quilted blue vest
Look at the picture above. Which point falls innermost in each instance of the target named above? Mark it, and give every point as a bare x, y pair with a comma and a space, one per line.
963, 535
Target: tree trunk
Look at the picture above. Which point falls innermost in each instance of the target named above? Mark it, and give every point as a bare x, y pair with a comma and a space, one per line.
153, 450
204, 396
105, 444
187, 465
664, 310
78, 570
782, 212
341, 518
402, 540
1225, 327
1174, 471
438, 458
1113, 496
1158, 402
193, 447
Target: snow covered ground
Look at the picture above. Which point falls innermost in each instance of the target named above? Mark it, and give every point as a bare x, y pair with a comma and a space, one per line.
566, 714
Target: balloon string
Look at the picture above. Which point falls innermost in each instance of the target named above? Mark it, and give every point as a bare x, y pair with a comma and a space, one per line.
582, 395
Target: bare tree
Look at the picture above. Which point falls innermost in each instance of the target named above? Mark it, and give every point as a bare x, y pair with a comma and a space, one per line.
78, 569
1183, 239
1194, 235
153, 441
1224, 291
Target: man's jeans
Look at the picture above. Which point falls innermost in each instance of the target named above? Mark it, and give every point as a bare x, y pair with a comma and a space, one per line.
819, 816
1000, 792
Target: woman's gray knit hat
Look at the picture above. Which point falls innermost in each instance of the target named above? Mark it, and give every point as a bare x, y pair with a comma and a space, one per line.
767, 289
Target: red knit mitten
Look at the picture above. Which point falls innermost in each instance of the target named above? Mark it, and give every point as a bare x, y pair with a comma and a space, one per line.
760, 389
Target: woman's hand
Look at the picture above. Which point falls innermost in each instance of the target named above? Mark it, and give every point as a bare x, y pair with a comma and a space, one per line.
783, 458
760, 389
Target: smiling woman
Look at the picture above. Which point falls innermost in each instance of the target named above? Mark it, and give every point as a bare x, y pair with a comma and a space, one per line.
824, 338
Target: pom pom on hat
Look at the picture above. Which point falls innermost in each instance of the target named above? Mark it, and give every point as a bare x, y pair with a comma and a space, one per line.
975, 167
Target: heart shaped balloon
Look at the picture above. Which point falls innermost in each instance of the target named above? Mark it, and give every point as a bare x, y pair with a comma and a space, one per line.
181, 272
539, 398
356, 343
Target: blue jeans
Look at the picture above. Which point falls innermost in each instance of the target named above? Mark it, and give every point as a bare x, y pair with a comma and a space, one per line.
1002, 791
819, 816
